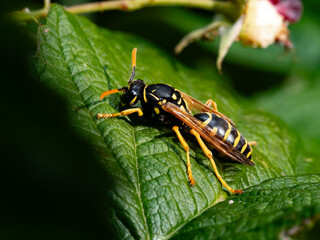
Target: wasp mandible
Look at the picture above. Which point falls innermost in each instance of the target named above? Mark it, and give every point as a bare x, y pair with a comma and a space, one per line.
173, 107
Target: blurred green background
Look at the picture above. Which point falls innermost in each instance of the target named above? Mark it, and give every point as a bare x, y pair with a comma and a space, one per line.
39, 149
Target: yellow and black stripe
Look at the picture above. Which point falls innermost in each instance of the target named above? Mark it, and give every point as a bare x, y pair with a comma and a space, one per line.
226, 132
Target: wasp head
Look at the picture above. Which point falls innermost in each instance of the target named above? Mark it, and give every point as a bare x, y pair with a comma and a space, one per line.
132, 93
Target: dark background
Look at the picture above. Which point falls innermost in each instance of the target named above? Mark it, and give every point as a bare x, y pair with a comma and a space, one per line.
48, 188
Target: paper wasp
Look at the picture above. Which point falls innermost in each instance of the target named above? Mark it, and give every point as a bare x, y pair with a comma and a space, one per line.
171, 106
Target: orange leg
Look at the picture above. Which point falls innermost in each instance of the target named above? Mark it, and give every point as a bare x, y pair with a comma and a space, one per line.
211, 103
122, 113
208, 153
186, 148
252, 143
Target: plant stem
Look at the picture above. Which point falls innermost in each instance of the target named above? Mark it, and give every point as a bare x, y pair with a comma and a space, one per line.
132, 5
227, 8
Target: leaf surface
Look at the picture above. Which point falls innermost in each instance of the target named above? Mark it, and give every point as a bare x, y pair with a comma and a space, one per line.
151, 195
260, 213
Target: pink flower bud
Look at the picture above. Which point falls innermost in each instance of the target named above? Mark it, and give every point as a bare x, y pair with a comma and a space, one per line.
290, 9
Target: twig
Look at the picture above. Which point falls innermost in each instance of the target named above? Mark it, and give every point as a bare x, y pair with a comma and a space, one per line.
227, 8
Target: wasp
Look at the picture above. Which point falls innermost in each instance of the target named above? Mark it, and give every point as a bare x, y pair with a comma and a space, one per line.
173, 107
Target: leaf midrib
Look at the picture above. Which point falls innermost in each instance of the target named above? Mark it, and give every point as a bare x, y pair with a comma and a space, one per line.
138, 183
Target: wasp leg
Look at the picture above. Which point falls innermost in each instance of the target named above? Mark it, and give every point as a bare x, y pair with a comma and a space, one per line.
186, 148
208, 153
252, 143
211, 103
122, 113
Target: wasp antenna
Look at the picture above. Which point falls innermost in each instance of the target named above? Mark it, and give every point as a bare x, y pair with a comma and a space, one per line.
133, 73
109, 92
134, 54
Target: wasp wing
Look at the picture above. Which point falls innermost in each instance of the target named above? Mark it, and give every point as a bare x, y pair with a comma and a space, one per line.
195, 104
206, 133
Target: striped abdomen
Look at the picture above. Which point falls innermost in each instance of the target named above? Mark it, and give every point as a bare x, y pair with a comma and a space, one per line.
225, 131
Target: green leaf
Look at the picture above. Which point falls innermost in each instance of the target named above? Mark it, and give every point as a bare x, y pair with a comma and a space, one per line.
260, 213
150, 191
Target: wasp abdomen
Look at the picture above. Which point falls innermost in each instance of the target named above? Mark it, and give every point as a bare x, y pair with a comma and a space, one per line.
222, 129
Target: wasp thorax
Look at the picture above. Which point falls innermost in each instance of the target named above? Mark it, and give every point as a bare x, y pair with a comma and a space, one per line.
133, 93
